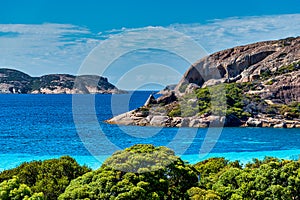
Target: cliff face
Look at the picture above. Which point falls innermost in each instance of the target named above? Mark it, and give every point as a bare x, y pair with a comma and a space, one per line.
260, 82
16, 82
245, 64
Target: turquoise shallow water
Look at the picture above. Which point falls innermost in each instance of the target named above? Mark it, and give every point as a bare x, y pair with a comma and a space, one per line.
38, 127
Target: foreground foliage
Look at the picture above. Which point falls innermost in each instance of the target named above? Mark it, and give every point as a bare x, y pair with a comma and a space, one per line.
13, 189
49, 177
148, 172
268, 179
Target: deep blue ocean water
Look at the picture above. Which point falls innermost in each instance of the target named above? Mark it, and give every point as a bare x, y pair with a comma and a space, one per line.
34, 127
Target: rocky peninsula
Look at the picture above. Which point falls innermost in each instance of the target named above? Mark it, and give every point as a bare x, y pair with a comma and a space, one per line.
255, 85
16, 82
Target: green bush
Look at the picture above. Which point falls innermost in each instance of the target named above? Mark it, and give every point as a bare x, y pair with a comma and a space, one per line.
281, 70
176, 112
291, 110
270, 82
227, 99
196, 193
232, 99
148, 172
139, 172
50, 177
12, 189
270, 178
287, 68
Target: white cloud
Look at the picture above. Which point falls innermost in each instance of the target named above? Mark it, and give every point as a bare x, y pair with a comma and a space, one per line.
61, 48
222, 34
44, 48
134, 47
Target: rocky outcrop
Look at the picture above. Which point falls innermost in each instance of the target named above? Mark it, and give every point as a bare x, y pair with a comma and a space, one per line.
151, 100
241, 64
16, 82
264, 121
167, 89
284, 88
152, 118
167, 99
267, 74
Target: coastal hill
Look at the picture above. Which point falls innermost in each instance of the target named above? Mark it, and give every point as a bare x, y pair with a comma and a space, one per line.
255, 85
16, 82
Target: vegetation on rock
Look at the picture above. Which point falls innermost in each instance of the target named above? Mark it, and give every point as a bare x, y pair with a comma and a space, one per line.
282, 70
237, 101
232, 103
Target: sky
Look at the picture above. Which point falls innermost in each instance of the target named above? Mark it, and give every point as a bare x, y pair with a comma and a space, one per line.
52, 36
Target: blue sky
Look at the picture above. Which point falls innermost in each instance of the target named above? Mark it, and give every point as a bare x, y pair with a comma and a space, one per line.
99, 15
52, 36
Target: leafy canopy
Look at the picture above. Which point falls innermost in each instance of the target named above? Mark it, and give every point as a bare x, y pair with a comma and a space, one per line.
138, 172
49, 177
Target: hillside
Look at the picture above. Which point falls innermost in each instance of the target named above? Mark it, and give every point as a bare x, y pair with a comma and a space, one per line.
253, 85
16, 82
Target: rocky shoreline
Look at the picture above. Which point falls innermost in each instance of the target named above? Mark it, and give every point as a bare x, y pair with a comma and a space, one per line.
144, 117
260, 82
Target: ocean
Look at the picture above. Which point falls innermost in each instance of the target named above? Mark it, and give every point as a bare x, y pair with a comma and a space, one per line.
39, 127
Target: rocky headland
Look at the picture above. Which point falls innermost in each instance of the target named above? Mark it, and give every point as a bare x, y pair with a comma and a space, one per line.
255, 85
16, 82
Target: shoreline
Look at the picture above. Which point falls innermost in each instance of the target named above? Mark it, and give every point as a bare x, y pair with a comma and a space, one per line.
138, 118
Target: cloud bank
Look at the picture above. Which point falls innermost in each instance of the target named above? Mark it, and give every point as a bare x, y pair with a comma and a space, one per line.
61, 48
222, 34
44, 48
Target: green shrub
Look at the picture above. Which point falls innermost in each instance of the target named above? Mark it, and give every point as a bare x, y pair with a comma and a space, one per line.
291, 110
227, 99
12, 189
148, 172
269, 82
176, 112
50, 177
139, 172
287, 68
182, 88
281, 70
196, 193
270, 178
144, 110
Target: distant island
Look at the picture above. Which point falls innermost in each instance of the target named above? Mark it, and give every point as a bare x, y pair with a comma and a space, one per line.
16, 82
260, 84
